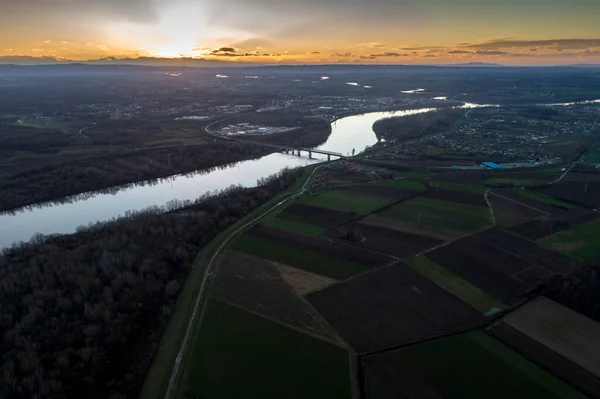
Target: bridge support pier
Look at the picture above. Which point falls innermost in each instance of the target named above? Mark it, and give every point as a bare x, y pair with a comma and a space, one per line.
329, 157
310, 154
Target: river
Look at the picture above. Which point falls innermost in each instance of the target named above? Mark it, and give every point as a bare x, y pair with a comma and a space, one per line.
347, 134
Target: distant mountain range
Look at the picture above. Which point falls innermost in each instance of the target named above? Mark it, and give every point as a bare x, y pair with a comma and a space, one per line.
203, 62
475, 64
141, 61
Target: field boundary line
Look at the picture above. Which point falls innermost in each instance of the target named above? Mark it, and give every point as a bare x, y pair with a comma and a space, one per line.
519, 203
208, 273
339, 344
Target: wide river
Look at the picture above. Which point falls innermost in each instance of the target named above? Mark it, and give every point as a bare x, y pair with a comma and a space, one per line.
347, 134
353, 132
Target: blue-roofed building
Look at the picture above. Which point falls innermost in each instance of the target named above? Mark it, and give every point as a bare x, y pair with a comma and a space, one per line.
491, 165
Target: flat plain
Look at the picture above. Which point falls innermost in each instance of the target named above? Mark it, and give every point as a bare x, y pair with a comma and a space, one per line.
392, 306
471, 365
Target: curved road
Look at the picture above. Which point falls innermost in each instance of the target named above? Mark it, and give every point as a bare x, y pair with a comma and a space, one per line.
208, 274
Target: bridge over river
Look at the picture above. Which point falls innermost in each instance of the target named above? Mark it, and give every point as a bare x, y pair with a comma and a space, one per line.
284, 148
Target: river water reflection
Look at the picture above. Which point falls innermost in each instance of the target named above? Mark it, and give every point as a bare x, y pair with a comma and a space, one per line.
64, 216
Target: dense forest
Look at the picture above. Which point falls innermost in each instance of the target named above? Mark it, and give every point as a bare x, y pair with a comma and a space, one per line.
579, 290
81, 315
409, 127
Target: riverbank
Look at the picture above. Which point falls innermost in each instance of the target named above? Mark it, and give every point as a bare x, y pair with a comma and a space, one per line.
91, 280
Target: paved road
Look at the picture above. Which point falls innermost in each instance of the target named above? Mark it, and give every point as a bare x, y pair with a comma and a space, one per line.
208, 273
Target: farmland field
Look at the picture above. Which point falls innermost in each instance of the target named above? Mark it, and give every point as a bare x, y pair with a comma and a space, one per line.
238, 354
269, 289
464, 187
380, 191
561, 340
345, 201
403, 184
471, 365
293, 227
581, 177
563, 330
510, 213
535, 229
311, 261
541, 198
454, 284
593, 155
442, 214
508, 182
333, 249
582, 241
582, 193
392, 242
495, 260
420, 229
392, 306
316, 216
461, 197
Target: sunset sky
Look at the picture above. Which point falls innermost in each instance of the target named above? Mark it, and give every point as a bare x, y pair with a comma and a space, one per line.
306, 31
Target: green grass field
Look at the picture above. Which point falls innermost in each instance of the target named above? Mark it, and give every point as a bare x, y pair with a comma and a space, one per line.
474, 365
294, 227
345, 201
469, 188
402, 183
241, 355
443, 214
544, 199
501, 182
301, 258
593, 155
553, 172
454, 284
581, 241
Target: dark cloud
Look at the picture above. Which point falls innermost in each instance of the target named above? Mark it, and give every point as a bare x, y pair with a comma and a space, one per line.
367, 57
490, 52
314, 52
236, 52
459, 52
225, 50
533, 49
388, 54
